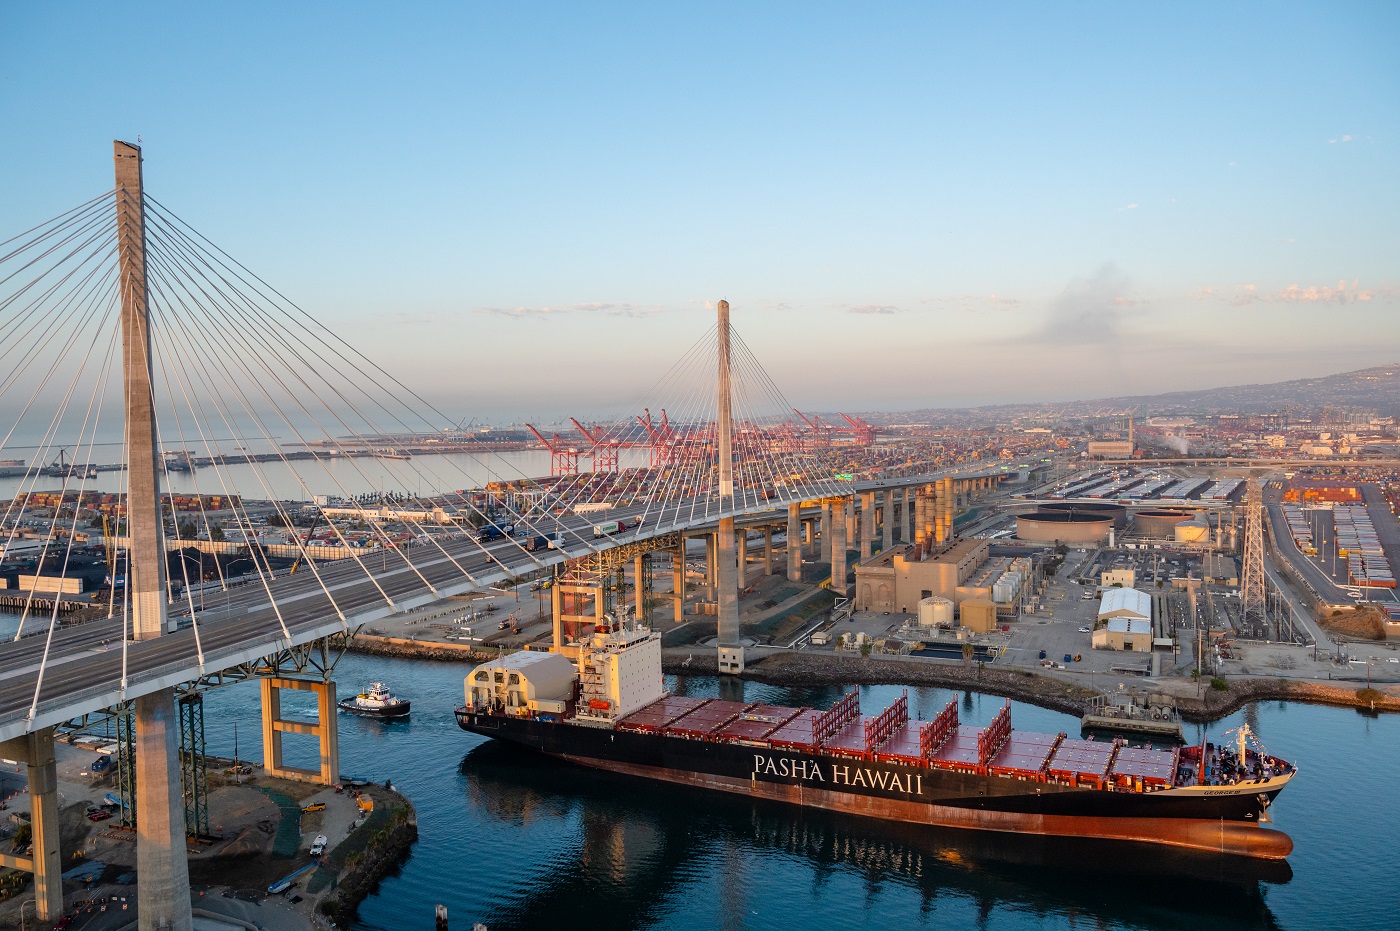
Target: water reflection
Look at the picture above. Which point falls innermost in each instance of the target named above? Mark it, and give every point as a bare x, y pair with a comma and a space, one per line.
644, 853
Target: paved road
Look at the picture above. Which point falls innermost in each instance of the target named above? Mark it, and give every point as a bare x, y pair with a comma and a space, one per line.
88, 669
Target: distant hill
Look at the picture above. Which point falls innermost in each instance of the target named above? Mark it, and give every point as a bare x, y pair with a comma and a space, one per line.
1375, 389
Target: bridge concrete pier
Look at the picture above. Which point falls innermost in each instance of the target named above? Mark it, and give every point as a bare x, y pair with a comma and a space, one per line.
867, 524
160, 815
743, 542
848, 506
711, 565
325, 729
35, 751
826, 531
768, 550
678, 581
887, 520
838, 549
794, 541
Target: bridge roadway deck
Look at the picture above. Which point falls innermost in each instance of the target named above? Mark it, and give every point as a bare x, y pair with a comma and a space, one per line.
87, 669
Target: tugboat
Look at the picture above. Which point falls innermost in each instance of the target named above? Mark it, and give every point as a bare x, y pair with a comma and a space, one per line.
376, 701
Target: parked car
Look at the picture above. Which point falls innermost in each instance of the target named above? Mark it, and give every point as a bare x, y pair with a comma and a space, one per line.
1085, 630
318, 846
314, 806
98, 815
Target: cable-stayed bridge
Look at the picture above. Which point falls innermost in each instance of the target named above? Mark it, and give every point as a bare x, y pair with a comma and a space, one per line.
123, 328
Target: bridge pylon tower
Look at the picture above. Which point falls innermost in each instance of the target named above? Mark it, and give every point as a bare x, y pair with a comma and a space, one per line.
731, 648
162, 870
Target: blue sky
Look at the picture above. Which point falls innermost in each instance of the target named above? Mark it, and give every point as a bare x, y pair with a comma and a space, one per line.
529, 209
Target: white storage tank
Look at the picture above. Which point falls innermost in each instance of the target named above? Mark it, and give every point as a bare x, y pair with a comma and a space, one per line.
934, 611
1192, 531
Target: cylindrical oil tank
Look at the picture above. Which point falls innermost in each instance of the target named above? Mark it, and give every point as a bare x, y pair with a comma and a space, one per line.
1160, 524
1100, 508
1075, 529
934, 611
1192, 531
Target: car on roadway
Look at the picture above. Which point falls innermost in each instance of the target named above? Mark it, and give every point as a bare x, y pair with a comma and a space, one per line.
1085, 630
314, 806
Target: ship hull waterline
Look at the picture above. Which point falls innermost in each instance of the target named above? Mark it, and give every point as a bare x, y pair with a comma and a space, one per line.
1226, 834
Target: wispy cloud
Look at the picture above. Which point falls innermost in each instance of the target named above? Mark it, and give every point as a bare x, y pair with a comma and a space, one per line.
873, 309
1345, 137
604, 308
976, 303
1342, 292
1127, 207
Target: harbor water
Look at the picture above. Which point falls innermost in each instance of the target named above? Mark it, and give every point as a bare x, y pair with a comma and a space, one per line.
520, 842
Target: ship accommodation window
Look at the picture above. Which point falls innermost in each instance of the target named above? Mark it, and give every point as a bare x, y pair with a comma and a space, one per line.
482, 676
515, 678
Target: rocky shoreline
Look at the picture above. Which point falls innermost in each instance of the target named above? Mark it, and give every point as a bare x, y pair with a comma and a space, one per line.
806, 669
387, 849
788, 668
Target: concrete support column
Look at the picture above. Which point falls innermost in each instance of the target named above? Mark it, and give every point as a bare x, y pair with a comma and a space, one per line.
849, 504
838, 550
808, 537
45, 861
325, 729
794, 542
768, 550
742, 538
556, 598
888, 520
710, 566
678, 580
867, 524
911, 496
160, 815
826, 531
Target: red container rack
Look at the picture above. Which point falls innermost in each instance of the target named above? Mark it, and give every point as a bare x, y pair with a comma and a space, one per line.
958, 751
797, 733
850, 740
830, 722
879, 728
934, 733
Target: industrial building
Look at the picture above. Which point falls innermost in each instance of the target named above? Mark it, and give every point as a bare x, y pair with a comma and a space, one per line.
1113, 449
1125, 603
1126, 634
899, 578
1124, 621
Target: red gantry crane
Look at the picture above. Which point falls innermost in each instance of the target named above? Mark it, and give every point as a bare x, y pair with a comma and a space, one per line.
604, 449
563, 459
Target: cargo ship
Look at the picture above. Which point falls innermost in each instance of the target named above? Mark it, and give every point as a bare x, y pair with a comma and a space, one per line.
602, 703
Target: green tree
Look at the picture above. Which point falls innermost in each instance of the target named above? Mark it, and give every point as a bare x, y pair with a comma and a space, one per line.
968, 651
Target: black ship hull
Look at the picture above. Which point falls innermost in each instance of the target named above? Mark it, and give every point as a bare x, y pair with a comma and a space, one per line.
1223, 819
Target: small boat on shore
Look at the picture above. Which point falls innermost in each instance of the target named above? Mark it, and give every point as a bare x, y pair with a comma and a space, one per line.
376, 701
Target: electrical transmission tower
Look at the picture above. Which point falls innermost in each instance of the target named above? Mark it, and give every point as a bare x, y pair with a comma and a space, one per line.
1253, 614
